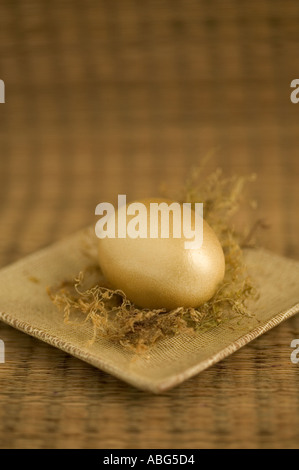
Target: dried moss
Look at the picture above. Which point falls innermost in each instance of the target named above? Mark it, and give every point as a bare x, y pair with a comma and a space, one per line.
112, 314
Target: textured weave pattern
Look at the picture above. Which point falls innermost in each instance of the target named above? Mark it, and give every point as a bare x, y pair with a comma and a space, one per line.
120, 96
117, 97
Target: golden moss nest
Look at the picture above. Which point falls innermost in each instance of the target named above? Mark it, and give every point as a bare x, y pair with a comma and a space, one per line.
114, 317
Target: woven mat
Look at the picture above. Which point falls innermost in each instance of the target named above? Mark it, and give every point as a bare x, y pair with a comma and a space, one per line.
118, 97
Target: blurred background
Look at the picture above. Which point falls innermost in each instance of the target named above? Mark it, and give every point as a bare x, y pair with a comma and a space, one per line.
105, 97
118, 96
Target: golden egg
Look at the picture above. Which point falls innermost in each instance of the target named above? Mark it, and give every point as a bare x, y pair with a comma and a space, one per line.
161, 272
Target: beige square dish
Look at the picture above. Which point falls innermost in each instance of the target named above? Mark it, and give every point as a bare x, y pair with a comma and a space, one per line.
25, 305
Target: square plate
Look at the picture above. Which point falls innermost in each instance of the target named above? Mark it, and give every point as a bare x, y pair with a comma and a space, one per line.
25, 305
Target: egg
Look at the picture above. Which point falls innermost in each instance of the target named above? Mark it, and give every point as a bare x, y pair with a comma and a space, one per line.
160, 272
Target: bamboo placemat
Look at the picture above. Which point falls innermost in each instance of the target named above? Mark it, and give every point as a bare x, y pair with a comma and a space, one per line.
117, 97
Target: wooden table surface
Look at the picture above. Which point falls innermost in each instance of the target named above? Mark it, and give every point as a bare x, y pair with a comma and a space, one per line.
113, 97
